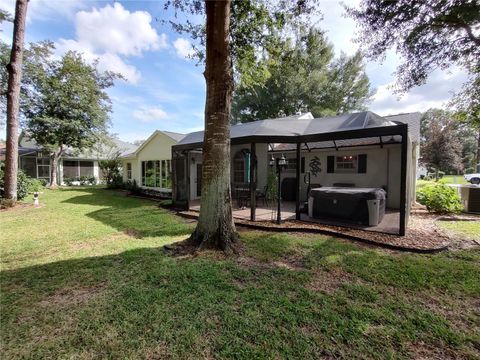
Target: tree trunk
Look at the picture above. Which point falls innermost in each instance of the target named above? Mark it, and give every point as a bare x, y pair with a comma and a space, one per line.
477, 165
215, 227
14, 69
54, 157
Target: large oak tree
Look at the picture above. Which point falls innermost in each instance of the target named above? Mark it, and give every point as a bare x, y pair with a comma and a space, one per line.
64, 102
233, 35
441, 147
303, 75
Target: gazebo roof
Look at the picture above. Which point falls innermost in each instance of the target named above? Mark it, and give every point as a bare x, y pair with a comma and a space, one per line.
293, 127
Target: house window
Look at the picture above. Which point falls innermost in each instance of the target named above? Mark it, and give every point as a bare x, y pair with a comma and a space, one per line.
29, 166
129, 171
156, 173
70, 169
291, 164
86, 168
43, 168
166, 174
241, 167
346, 164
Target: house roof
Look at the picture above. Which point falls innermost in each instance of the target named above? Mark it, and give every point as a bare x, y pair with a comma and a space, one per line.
298, 125
413, 122
175, 136
101, 151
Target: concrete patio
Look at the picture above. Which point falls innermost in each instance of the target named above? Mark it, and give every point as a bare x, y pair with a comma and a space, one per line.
389, 223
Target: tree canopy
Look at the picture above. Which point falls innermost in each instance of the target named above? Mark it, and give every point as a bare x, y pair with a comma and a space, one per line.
441, 147
66, 104
256, 26
302, 75
63, 101
428, 34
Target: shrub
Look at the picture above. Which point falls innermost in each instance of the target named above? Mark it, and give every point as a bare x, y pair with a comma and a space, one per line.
35, 185
87, 180
68, 181
440, 198
25, 184
115, 182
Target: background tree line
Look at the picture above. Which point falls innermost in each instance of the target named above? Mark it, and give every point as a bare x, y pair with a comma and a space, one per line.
447, 143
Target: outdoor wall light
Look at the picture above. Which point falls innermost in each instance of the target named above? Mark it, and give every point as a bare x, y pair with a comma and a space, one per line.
282, 162
272, 162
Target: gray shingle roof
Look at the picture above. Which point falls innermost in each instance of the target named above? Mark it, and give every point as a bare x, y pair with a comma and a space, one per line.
175, 136
413, 121
100, 151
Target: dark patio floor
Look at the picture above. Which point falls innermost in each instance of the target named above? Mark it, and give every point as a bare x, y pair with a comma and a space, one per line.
389, 223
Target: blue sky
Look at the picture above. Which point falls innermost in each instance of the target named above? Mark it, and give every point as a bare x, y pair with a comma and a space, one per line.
165, 89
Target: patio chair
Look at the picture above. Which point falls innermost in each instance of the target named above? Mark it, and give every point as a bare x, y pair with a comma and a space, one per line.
262, 195
242, 195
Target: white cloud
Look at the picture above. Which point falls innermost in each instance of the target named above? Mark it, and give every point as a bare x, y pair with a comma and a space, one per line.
46, 9
106, 61
112, 33
434, 94
183, 48
113, 29
149, 114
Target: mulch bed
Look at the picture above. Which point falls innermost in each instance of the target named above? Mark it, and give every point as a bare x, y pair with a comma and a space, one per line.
423, 234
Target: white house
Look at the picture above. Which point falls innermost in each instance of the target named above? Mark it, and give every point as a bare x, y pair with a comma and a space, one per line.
150, 166
359, 150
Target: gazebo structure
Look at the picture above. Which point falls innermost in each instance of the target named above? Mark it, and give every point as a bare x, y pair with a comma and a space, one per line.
339, 156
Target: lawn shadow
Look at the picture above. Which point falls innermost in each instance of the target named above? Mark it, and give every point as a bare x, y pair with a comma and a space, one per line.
136, 217
144, 304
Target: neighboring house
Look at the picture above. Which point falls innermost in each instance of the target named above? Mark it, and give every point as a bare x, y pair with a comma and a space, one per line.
362, 150
73, 164
149, 166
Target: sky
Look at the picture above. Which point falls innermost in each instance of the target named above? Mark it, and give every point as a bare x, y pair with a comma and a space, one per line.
164, 88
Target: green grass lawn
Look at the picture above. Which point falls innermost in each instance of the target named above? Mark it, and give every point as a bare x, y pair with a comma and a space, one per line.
448, 179
85, 277
469, 229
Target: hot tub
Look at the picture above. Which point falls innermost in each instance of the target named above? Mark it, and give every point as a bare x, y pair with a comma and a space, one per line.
360, 205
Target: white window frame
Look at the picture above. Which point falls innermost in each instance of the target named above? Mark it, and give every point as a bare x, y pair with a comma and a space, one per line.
129, 171
158, 173
347, 163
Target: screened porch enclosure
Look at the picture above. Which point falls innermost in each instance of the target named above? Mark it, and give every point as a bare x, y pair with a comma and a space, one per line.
329, 177
35, 167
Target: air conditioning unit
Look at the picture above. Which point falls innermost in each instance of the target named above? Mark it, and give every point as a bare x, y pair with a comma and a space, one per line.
470, 195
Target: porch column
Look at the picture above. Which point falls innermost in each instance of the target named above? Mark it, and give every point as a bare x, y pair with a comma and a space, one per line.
403, 182
297, 189
253, 180
187, 178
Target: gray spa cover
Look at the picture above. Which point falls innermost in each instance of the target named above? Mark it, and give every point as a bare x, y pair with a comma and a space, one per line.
346, 203
350, 193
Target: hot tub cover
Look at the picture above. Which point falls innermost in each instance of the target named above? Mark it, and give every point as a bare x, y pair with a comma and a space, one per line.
346, 203
349, 192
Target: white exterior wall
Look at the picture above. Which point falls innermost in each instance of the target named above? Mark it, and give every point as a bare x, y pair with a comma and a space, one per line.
383, 170
96, 172
157, 147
